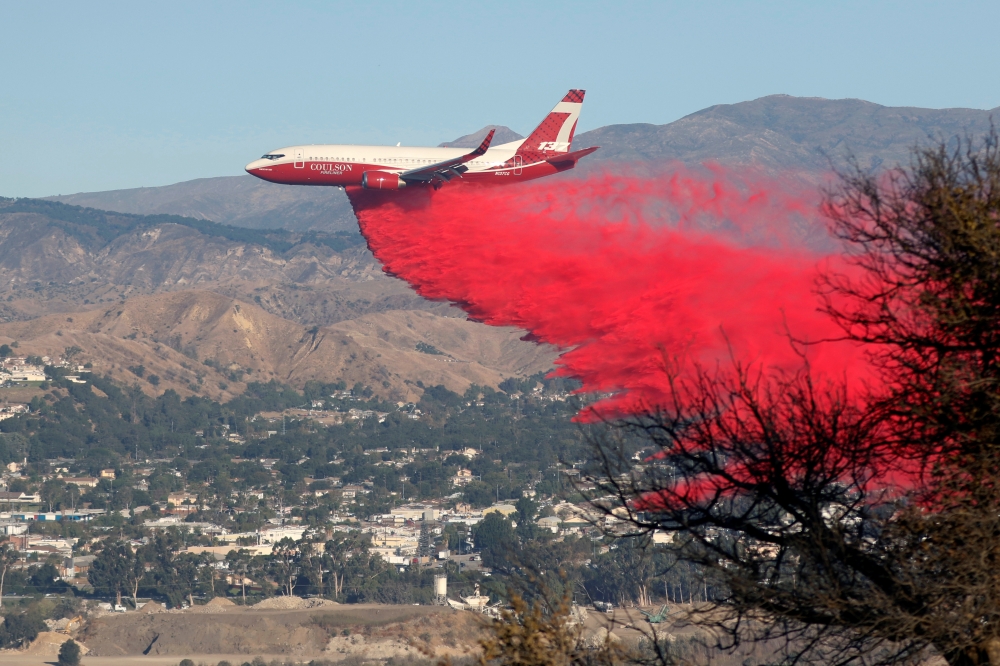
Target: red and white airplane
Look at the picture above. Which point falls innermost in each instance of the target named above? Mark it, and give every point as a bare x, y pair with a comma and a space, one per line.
546, 151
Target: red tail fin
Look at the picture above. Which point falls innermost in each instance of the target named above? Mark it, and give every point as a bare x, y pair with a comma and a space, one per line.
555, 134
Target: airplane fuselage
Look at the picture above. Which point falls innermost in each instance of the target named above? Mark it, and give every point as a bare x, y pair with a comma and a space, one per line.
545, 151
343, 165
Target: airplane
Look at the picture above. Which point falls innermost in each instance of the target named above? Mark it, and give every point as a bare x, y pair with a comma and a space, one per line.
546, 151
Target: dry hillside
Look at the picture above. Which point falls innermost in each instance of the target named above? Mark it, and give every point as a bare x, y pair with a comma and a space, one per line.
355, 630
172, 334
163, 294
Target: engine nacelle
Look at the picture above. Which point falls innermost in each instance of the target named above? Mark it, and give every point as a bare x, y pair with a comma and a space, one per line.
382, 180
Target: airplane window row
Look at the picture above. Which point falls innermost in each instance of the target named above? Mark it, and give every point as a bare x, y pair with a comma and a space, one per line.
388, 159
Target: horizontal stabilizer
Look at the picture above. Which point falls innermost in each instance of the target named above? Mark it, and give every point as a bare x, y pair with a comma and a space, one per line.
563, 158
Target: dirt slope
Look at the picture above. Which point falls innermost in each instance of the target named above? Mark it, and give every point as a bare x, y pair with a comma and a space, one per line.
165, 296
377, 631
50, 264
172, 334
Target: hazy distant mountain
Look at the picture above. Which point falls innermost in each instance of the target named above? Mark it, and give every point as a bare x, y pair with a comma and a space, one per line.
503, 135
242, 201
780, 132
776, 133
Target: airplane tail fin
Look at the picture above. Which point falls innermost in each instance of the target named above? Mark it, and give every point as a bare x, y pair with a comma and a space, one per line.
555, 134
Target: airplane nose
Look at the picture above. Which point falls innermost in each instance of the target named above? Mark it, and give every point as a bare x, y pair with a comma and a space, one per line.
259, 169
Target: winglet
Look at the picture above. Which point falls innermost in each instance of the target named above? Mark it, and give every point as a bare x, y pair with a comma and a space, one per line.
447, 169
485, 145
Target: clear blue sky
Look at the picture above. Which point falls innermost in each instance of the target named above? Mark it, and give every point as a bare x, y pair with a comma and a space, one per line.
102, 95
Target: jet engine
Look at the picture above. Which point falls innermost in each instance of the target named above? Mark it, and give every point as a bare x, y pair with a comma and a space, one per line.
382, 180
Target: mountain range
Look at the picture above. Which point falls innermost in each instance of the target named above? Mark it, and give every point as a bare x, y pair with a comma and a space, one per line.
210, 283
206, 307
774, 134
780, 133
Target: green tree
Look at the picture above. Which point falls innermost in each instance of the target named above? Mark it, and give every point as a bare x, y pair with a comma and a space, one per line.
109, 572
527, 529
425, 545
526, 509
355, 573
54, 493
494, 537
239, 564
312, 563
626, 573
69, 654
20, 628
135, 572
452, 537
8, 557
478, 494
285, 564
186, 576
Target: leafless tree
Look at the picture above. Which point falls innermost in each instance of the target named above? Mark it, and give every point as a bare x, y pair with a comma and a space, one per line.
858, 526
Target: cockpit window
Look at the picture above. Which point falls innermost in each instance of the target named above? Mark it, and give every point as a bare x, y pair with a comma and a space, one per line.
272, 156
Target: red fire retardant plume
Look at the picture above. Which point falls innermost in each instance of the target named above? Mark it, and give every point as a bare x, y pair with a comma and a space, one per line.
622, 272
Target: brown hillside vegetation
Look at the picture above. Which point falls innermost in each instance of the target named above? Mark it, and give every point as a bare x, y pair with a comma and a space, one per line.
174, 333
48, 266
205, 313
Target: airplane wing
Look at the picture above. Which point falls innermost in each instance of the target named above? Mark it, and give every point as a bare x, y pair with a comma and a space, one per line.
444, 171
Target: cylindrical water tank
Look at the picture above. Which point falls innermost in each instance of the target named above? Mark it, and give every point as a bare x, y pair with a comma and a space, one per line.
441, 586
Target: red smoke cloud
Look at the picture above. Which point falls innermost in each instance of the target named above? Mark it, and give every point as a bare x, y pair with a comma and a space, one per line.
623, 271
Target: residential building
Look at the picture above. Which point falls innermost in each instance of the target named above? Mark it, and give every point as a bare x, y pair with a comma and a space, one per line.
462, 478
